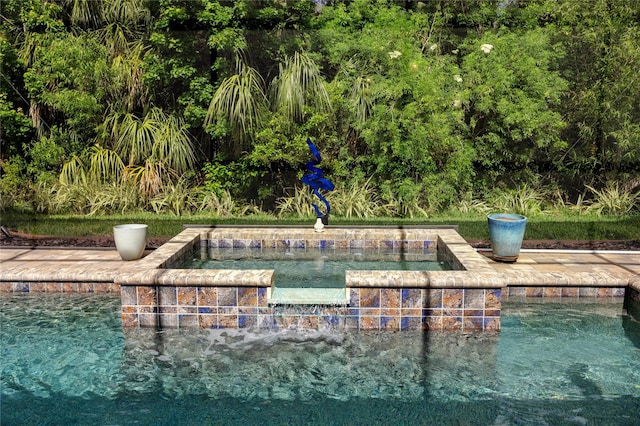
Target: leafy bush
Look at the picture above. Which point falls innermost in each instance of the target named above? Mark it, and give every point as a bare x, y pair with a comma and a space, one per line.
613, 200
523, 200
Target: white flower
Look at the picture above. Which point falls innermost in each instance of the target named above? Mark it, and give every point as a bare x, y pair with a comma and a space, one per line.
456, 103
433, 47
394, 54
486, 48
457, 78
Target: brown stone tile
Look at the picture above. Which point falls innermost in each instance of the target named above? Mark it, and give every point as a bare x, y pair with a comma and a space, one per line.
411, 312
187, 296
534, 291
208, 321
452, 323
38, 287
370, 297
569, 292
227, 296
452, 298
247, 296
473, 324
129, 320
390, 323
390, 312
434, 298
492, 323
552, 292
147, 296
390, 298
207, 296
70, 287
369, 322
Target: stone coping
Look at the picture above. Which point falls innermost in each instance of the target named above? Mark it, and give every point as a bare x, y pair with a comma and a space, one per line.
475, 271
104, 266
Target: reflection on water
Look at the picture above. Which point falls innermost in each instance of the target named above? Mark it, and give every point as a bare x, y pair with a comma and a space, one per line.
66, 359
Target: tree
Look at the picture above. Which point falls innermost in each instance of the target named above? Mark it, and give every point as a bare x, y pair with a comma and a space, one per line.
602, 104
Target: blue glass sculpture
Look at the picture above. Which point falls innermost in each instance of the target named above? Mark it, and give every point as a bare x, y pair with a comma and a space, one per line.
314, 178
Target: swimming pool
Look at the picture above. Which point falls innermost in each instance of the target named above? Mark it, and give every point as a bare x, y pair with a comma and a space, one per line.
568, 363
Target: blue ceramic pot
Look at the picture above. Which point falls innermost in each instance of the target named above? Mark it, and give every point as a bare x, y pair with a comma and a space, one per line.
506, 232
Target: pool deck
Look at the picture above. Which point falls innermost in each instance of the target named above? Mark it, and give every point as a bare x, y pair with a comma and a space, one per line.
533, 268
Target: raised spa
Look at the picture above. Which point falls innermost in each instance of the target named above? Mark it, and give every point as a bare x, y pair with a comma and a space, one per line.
314, 275
465, 298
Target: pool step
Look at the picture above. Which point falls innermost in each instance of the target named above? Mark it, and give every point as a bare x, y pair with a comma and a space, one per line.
309, 296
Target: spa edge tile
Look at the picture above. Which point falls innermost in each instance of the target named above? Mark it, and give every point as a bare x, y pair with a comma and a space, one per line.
38, 287
533, 291
187, 296
207, 296
390, 323
587, 292
410, 323
130, 320
552, 292
168, 320
433, 298
411, 312
208, 321
473, 313
452, 298
473, 324
187, 321
390, 312
72, 287
411, 298
491, 323
369, 297
434, 323
390, 297
247, 296
148, 320
474, 298
451, 323
492, 298
369, 322
452, 312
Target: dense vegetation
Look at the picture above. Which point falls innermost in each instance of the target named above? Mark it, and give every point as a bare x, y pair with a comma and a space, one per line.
418, 107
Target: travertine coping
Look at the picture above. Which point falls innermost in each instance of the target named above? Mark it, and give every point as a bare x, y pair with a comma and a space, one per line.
473, 271
557, 279
634, 283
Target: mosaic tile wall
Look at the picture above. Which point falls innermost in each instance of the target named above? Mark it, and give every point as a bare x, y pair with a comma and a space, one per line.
58, 287
389, 309
517, 293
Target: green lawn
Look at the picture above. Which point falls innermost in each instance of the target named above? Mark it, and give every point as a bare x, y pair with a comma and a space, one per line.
542, 227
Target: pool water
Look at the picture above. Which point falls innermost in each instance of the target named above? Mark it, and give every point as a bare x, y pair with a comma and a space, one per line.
300, 268
67, 360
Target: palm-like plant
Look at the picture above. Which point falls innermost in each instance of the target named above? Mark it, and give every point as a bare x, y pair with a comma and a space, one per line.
157, 136
299, 84
239, 100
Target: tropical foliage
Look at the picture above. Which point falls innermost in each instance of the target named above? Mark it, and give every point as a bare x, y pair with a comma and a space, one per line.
191, 106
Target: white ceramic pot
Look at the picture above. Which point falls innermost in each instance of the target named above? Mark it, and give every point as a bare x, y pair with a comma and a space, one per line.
131, 240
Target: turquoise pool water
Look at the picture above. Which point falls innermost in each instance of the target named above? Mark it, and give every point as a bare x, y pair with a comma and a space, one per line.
313, 268
67, 360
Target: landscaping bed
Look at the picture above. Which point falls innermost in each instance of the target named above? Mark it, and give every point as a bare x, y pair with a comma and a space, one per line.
28, 240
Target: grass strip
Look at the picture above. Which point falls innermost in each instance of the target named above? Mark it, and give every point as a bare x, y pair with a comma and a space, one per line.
470, 226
